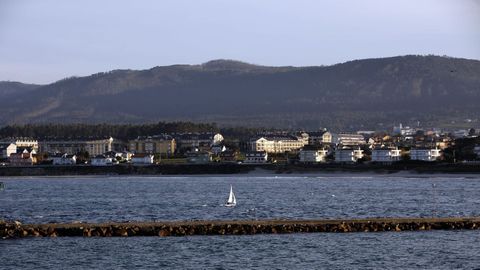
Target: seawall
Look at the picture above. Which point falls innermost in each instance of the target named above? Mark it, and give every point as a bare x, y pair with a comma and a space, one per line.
233, 168
235, 227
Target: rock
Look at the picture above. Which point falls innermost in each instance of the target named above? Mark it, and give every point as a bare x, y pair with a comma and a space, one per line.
164, 233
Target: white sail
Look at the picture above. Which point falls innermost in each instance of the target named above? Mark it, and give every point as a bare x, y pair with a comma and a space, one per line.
232, 201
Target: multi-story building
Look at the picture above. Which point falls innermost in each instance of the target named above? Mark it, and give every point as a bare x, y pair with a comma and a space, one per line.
319, 137
425, 154
22, 142
160, 144
277, 144
312, 155
348, 155
194, 140
386, 154
346, 139
253, 157
93, 147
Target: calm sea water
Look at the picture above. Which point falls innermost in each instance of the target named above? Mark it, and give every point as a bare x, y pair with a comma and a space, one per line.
93, 199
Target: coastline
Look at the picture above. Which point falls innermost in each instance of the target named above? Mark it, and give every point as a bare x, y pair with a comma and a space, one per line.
233, 168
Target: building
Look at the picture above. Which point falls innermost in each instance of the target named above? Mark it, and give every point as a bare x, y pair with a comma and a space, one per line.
199, 157
142, 159
348, 155
425, 154
22, 142
346, 139
277, 144
386, 154
6, 149
24, 158
253, 157
93, 147
63, 159
476, 151
319, 137
159, 144
312, 155
229, 156
102, 160
190, 141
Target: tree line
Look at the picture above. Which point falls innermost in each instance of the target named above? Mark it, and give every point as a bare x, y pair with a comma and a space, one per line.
120, 131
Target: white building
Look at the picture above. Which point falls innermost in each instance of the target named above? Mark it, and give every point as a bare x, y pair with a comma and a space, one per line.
425, 154
277, 144
64, 159
386, 155
101, 160
256, 157
313, 155
404, 131
6, 149
347, 139
319, 137
93, 147
22, 142
142, 159
348, 155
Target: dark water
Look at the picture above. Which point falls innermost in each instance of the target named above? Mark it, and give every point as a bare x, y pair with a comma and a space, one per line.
45, 200
390, 250
184, 198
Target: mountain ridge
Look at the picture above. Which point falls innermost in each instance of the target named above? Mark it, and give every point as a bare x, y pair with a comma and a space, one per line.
359, 93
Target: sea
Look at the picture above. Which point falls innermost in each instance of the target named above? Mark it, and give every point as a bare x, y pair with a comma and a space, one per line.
259, 196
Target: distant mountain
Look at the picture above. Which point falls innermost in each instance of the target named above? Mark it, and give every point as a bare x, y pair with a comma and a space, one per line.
11, 89
358, 94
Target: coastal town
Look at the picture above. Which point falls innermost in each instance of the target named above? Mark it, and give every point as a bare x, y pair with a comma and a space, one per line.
402, 143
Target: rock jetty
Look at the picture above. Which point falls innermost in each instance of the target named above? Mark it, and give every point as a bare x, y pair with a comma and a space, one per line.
234, 227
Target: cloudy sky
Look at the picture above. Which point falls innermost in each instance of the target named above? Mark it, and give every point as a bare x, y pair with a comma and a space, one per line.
43, 41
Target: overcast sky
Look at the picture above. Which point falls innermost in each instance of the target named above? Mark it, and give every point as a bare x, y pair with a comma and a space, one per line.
43, 41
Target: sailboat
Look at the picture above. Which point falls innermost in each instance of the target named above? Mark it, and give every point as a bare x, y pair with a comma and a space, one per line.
231, 198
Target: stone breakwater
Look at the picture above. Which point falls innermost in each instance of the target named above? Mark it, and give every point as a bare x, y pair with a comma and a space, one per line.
234, 227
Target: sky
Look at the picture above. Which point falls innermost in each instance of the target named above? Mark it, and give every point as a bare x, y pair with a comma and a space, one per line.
44, 41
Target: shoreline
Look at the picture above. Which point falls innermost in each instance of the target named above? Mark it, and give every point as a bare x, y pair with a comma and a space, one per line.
234, 169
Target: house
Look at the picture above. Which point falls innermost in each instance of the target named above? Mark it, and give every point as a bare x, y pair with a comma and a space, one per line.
254, 157
386, 154
158, 144
6, 149
229, 156
277, 144
476, 150
348, 155
102, 160
93, 147
198, 157
425, 154
218, 149
23, 158
312, 155
142, 159
63, 159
